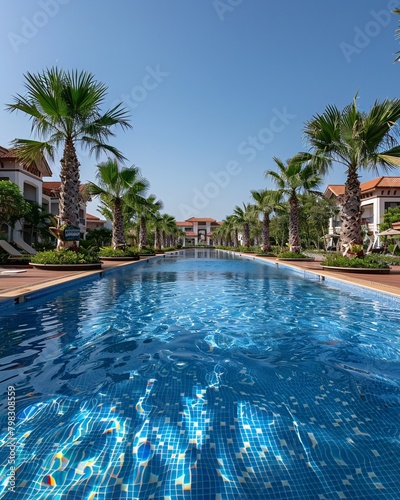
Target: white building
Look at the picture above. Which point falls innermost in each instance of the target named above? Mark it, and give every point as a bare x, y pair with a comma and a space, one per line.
29, 178
377, 196
198, 231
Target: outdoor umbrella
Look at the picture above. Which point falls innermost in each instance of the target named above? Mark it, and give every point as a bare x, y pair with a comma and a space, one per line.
393, 233
390, 232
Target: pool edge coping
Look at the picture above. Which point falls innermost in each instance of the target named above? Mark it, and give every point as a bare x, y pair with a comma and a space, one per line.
18, 295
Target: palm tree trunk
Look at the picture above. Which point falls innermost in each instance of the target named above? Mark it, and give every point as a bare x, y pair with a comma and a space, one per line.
157, 239
118, 235
265, 233
350, 210
235, 238
294, 224
69, 191
142, 233
246, 235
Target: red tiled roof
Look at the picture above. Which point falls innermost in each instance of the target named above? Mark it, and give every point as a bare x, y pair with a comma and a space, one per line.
201, 219
93, 218
191, 234
182, 224
41, 165
336, 189
381, 182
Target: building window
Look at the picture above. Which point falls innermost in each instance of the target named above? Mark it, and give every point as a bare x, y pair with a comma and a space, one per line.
29, 192
391, 204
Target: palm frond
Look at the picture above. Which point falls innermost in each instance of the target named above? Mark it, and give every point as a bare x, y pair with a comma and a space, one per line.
28, 151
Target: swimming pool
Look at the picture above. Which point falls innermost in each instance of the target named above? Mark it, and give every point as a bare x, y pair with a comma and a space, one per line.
202, 377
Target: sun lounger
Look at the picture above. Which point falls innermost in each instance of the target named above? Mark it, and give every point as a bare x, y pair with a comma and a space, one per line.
13, 271
24, 246
12, 252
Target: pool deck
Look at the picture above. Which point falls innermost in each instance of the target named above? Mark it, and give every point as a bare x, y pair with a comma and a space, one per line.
15, 286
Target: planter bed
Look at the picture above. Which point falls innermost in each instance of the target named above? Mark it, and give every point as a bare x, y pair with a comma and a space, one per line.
364, 270
67, 267
118, 258
298, 259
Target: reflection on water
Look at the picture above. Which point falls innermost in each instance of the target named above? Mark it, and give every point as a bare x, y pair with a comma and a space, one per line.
200, 377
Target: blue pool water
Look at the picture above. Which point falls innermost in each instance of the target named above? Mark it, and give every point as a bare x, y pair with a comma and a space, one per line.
201, 378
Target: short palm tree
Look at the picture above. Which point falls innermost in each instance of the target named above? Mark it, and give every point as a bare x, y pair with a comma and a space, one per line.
296, 176
245, 217
145, 211
65, 110
357, 140
266, 202
169, 229
231, 226
117, 186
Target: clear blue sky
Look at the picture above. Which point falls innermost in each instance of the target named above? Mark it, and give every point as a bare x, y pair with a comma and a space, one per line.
216, 88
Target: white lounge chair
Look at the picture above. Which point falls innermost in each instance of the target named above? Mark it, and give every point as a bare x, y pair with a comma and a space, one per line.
13, 271
24, 246
12, 252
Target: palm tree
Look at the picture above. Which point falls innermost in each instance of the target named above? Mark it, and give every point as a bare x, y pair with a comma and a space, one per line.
267, 201
169, 229
297, 175
245, 217
146, 210
117, 186
357, 140
231, 230
65, 110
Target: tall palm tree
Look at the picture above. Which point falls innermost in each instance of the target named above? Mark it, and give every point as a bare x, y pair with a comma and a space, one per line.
296, 176
117, 186
245, 217
65, 110
358, 140
267, 201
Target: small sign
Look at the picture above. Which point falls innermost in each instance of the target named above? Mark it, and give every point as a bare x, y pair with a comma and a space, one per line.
71, 233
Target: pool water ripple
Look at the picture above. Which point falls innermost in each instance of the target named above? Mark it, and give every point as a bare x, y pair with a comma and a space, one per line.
202, 378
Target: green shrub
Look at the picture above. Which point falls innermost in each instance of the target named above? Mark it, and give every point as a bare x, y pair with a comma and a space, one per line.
146, 251
65, 257
371, 261
41, 246
110, 252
